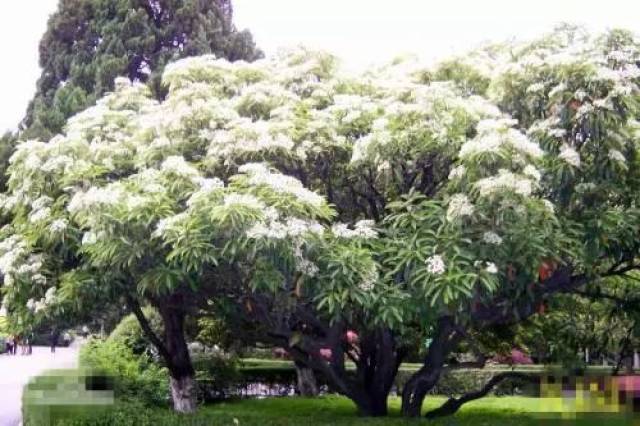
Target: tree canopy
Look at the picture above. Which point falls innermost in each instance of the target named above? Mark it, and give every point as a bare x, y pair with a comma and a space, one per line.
444, 199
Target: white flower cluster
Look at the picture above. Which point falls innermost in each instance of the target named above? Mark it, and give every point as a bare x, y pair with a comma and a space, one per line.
569, 156
362, 229
459, 206
549, 206
179, 166
457, 172
505, 181
260, 175
207, 186
49, 299
435, 265
495, 135
491, 268
12, 249
304, 265
490, 237
87, 200
167, 223
40, 215
616, 155
532, 172
246, 137
244, 200
369, 279
278, 230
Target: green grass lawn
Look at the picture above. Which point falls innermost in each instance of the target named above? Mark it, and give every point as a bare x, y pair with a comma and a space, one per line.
334, 410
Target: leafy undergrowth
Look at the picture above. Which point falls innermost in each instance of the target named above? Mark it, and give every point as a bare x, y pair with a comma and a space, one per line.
333, 410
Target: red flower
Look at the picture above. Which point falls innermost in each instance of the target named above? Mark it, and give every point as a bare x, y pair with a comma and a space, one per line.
326, 353
352, 337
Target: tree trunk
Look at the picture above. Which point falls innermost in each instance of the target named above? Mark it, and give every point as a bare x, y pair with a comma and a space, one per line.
378, 363
417, 387
371, 403
452, 405
182, 375
377, 359
307, 384
183, 393
423, 380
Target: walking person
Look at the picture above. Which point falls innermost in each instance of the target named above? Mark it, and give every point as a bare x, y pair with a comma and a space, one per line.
54, 339
24, 347
16, 342
30, 342
9, 345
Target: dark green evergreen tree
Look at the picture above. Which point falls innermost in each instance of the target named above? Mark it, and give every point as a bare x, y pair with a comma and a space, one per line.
7, 144
90, 42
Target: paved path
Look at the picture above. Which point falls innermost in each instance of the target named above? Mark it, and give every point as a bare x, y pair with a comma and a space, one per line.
16, 370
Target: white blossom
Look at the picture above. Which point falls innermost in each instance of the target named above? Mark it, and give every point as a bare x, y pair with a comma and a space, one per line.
259, 175
58, 225
87, 200
505, 180
459, 206
549, 206
12, 249
557, 89
569, 156
245, 200
41, 203
167, 223
457, 172
89, 238
490, 237
40, 215
435, 265
492, 138
531, 171
535, 88
491, 268
179, 166
39, 306
369, 279
580, 95
616, 155
584, 109
361, 229
50, 295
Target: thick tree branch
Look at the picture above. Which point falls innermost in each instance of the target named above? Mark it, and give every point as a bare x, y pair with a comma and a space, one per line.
452, 405
134, 305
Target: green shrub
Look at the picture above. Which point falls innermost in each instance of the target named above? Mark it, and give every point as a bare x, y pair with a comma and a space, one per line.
136, 377
129, 332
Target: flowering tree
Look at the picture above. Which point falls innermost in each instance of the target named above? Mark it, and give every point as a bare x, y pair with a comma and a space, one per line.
317, 203
576, 96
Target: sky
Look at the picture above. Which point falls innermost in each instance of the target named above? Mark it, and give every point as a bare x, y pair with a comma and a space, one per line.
359, 31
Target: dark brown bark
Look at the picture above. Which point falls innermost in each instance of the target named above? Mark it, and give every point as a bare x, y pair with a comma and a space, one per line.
182, 375
422, 381
377, 367
306, 378
502, 310
376, 355
452, 405
173, 349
